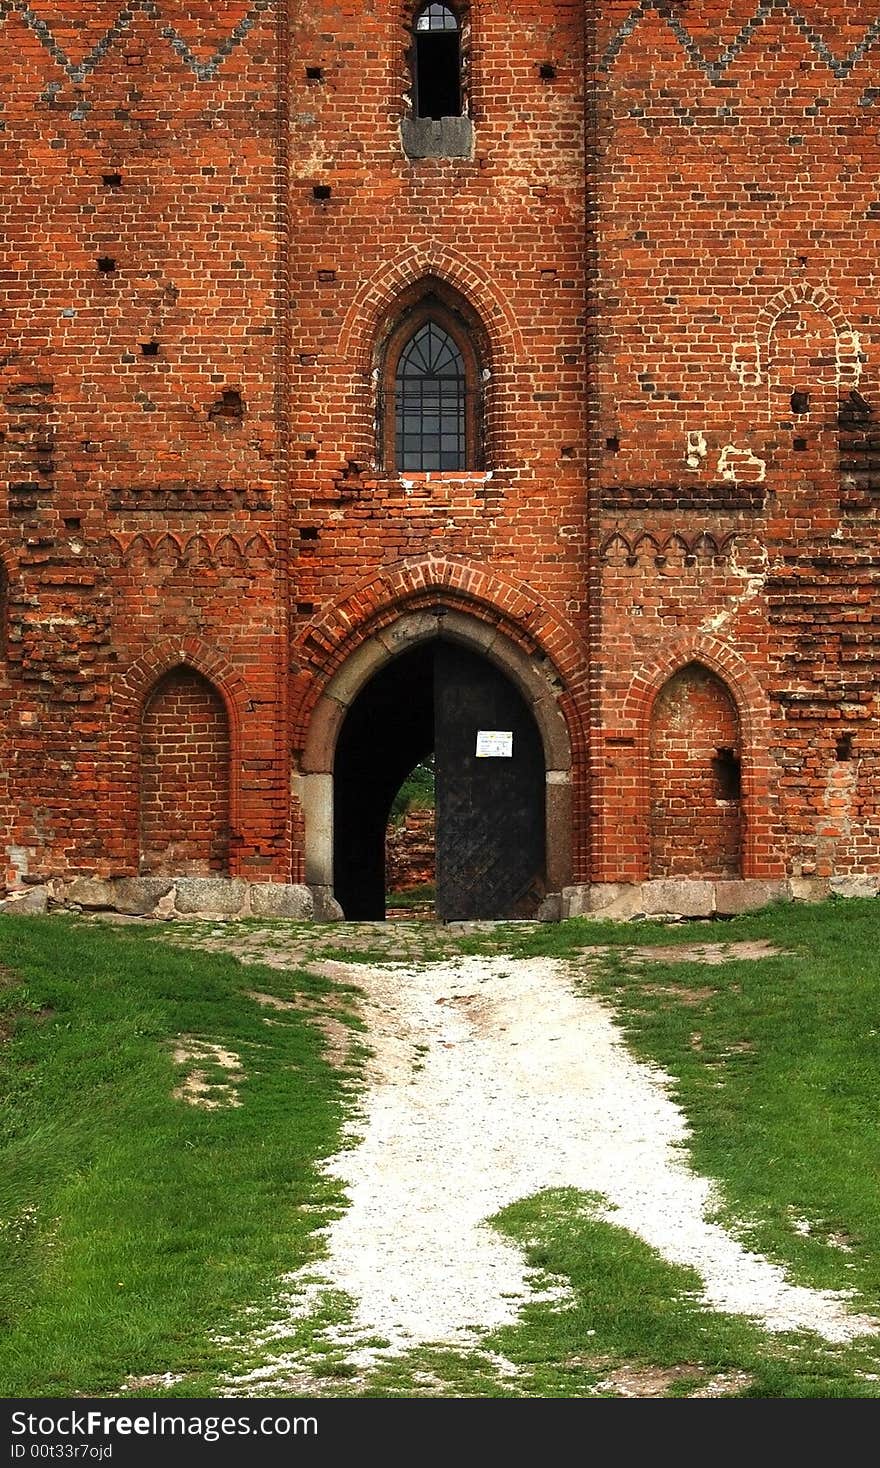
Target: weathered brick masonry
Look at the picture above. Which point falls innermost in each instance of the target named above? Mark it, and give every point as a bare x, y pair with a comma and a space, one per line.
657, 236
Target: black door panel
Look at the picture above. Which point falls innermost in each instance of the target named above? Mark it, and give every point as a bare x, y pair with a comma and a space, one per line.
490, 810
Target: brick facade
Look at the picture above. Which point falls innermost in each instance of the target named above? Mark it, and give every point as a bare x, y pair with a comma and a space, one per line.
661, 242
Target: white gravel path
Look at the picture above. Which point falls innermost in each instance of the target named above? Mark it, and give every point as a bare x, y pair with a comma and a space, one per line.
493, 1080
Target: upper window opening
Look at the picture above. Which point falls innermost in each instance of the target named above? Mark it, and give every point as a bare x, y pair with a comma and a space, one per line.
430, 413
437, 18
437, 70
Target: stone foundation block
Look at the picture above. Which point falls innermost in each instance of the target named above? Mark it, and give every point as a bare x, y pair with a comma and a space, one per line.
211, 896
281, 900
678, 897
855, 886
745, 896
138, 895
90, 892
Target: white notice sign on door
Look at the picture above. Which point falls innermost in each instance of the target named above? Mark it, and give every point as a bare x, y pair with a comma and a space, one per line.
494, 743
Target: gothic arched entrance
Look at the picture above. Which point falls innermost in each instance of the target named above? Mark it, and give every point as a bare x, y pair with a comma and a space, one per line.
448, 686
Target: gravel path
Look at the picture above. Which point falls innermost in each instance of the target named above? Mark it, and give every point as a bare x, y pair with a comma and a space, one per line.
492, 1080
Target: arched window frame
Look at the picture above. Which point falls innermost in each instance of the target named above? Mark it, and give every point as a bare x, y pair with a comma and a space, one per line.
431, 308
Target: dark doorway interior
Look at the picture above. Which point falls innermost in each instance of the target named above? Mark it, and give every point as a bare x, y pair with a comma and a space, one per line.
388, 729
490, 850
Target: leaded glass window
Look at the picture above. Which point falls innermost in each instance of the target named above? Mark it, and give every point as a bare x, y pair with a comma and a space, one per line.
430, 403
436, 18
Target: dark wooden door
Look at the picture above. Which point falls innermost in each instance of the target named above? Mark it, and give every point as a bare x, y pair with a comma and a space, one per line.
490, 806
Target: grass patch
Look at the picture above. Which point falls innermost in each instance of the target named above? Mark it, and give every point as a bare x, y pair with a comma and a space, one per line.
137, 1228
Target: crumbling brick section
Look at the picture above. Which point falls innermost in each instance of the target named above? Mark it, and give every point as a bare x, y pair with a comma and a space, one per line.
409, 851
184, 778
695, 814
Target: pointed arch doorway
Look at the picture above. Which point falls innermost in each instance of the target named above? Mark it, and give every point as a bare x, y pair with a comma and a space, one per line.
489, 717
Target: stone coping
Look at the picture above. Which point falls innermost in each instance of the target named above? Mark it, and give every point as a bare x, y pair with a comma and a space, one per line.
231, 897
692, 897
180, 897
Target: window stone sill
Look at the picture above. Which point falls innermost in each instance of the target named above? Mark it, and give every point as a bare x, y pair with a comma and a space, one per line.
444, 137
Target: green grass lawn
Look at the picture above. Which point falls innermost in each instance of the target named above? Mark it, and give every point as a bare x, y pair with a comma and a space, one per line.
139, 1231
137, 1227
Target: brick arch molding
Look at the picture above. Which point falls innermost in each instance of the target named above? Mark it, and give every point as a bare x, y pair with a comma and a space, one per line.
132, 692
504, 622
753, 710
375, 603
374, 304
375, 298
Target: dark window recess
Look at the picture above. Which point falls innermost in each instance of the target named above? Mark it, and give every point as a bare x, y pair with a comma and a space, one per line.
437, 63
106, 264
728, 775
843, 748
800, 401
430, 393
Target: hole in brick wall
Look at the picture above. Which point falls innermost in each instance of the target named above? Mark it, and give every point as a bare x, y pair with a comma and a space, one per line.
843, 747
567, 451
800, 401
305, 608
728, 774
799, 445
229, 405
308, 532
111, 180
612, 444
311, 454
314, 73
106, 264
547, 71
73, 522
321, 191
150, 349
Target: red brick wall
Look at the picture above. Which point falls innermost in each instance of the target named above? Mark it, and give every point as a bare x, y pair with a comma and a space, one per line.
139, 512
662, 237
734, 186
409, 850
695, 825
184, 778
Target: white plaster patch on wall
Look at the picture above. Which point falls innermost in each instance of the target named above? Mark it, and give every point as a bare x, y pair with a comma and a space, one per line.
18, 856
754, 580
697, 450
849, 358
750, 358
746, 363
741, 466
